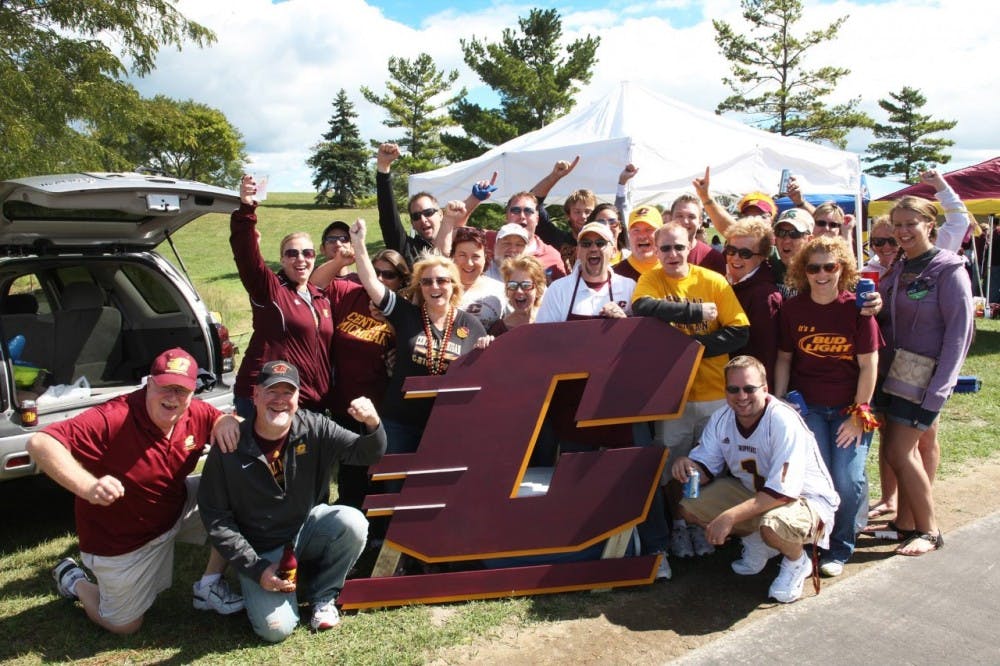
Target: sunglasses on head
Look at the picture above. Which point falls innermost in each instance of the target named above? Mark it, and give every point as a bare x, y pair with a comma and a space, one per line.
523, 285
426, 212
814, 269
292, 253
879, 242
517, 210
388, 274
827, 224
744, 253
749, 389
432, 281
599, 242
337, 239
794, 234
677, 247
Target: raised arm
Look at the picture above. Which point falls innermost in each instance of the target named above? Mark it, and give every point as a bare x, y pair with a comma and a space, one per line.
721, 219
561, 169
393, 232
366, 272
454, 214
956, 216
795, 194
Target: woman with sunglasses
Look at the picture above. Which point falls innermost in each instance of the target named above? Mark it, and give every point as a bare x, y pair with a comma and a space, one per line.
431, 332
482, 296
524, 282
828, 351
748, 245
928, 312
291, 317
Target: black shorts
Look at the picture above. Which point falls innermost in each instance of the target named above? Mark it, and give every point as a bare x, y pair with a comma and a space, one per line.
902, 411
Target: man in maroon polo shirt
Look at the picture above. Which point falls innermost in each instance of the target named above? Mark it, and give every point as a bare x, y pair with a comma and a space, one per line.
127, 461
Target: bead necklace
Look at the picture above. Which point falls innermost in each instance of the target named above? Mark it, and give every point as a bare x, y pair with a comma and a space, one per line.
435, 362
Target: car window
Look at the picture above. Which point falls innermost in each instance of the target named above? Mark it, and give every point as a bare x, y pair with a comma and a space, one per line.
30, 284
152, 289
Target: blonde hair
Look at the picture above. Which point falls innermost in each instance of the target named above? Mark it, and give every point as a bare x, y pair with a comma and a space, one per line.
293, 236
829, 207
431, 259
833, 245
753, 226
918, 205
529, 265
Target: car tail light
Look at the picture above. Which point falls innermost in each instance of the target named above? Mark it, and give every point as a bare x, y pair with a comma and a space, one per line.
228, 348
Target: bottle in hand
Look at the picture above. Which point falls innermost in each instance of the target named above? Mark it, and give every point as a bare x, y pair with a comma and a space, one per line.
288, 565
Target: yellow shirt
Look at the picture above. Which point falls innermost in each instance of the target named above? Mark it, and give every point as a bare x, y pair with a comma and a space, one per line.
701, 285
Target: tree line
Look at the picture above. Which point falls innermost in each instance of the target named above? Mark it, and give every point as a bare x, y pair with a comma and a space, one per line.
64, 103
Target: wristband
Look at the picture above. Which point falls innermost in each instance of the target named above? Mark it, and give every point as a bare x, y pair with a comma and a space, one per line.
864, 413
482, 192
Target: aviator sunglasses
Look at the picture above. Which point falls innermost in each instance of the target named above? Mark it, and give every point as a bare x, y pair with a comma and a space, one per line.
292, 253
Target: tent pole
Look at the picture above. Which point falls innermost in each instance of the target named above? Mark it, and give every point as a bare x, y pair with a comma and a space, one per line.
989, 255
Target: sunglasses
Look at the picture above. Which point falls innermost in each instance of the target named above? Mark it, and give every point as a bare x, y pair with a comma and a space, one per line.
879, 242
336, 239
426, 212
676, 248
814, 269
292, 253
794, 234
599, 242
432, 281
743, 252
749, 389
826, 224
517, 210
388, 274
523, 285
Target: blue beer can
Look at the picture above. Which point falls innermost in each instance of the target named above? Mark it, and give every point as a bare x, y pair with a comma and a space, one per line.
691, 485
865, 286
796, 399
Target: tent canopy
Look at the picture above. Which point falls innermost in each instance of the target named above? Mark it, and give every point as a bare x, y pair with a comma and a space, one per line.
872, 187
977, 185
670, 142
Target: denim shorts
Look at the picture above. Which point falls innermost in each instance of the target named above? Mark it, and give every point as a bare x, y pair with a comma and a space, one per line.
900, 410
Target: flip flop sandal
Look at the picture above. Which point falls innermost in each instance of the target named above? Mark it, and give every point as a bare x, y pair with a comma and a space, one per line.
878, 511
889, 532
937, 540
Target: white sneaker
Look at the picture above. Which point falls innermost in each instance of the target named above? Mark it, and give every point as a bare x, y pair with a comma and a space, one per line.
680, 542
325, 616
663, 572
756, 553
698, 540
787, 587
831, 569
217, 597
66, 574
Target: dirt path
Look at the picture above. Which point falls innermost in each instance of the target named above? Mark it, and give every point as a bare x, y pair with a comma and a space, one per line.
703, 602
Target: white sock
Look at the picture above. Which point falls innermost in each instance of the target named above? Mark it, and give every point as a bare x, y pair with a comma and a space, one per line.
72, 588
208, 579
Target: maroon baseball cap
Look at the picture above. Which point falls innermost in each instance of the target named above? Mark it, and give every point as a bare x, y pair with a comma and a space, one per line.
174, 367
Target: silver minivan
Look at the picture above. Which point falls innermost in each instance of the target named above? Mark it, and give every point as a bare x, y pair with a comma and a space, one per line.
86, 303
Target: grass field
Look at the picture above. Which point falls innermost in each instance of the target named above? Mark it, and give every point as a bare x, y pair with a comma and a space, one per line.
37, 530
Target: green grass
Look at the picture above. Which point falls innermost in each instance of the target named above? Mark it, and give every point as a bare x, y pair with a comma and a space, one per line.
37, 530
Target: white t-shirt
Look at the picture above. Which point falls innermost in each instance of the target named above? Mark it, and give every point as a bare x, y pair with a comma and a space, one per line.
556, 303
485, 300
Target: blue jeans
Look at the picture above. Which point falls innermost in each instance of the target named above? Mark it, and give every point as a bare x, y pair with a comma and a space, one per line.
327, 546
850, 480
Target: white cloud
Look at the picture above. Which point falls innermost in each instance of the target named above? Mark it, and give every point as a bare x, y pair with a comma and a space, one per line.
276, 68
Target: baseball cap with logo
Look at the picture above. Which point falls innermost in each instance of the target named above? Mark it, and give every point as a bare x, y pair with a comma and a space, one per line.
647, 215
759, 200
174, 367
798, 218
276, 372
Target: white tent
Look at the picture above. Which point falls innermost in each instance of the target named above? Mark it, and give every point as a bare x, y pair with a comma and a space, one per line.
670, 142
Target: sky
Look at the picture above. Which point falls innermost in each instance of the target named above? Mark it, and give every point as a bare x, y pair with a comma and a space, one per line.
277, 66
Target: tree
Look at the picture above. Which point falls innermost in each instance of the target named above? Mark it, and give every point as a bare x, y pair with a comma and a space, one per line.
183, 139
769, 79
59, 80
907, 148
340, 161
537, 80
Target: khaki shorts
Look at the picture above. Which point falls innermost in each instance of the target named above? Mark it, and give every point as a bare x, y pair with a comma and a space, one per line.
681, 434
796, 521
129, 583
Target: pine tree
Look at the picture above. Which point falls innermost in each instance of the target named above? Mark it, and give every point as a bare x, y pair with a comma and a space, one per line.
340, 161
770, 82
906, 149
537, 80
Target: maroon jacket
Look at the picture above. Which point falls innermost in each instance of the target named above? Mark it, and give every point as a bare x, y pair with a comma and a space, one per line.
706, 256
285, 327
761, 300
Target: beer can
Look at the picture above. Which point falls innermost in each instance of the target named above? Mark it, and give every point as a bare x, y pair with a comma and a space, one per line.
29, 413
796, 399
864, 286
786, 174
691, 485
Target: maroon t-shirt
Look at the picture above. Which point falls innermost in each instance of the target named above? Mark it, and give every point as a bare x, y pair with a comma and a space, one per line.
825, 341
360, 343
118, 438
706, 256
